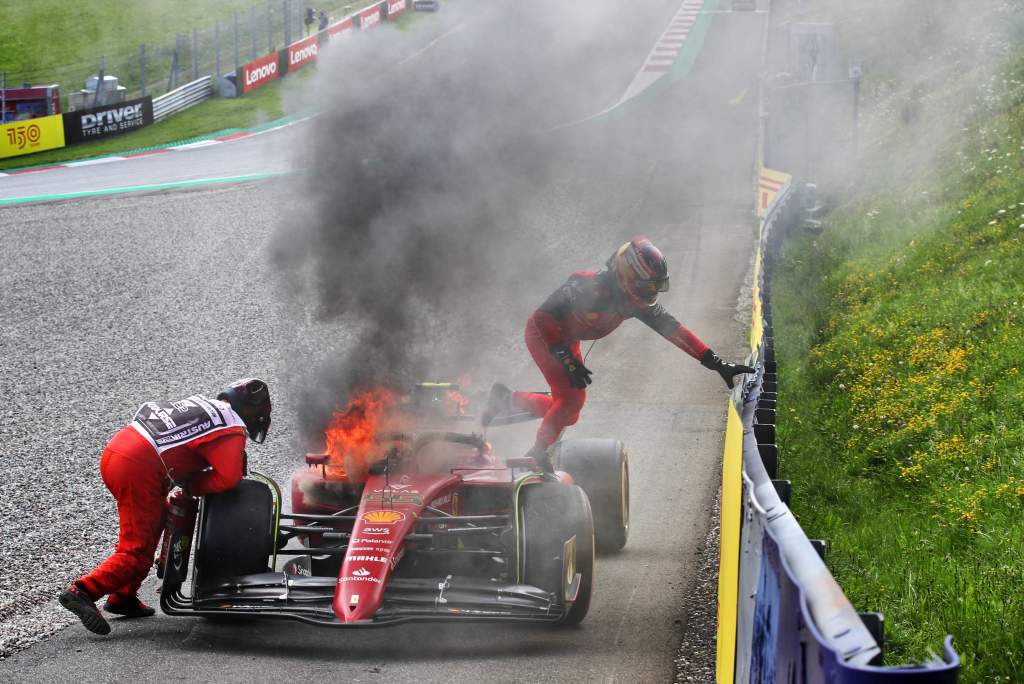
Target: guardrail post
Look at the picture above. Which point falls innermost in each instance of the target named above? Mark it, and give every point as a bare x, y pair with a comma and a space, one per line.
142, 68
875, 622
784, 488
821, 546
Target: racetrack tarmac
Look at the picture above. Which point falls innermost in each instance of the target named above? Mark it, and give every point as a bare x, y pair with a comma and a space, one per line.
111, 301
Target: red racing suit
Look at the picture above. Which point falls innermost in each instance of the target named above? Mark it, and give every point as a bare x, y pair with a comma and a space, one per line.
587, 307
195, 439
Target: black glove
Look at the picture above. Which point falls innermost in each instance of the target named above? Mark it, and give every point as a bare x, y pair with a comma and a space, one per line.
711, 361
579, 375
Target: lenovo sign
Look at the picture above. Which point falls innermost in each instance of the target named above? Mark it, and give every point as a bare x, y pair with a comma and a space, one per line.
395, 7
107, 120
303, 52
258, 72
341, 28
369, 18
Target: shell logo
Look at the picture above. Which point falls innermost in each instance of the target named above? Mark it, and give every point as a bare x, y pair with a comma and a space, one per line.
383, 517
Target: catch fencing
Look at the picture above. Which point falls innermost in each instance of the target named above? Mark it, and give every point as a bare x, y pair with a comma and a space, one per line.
782, 616
218, 45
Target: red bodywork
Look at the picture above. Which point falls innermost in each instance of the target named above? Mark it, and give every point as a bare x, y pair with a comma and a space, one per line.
428, 472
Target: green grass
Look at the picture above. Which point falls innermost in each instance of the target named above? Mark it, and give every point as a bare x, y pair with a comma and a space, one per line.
901, 349
255, 108
258, 107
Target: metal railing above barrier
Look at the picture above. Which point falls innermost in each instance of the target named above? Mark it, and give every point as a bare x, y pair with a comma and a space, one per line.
180, 99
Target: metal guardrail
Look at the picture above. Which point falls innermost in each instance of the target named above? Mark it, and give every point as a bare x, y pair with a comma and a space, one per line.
793, 621
180, 99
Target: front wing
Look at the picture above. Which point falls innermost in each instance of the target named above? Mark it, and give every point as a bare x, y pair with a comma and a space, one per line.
308, 599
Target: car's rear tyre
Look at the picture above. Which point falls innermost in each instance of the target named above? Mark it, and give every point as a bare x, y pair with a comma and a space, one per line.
556, 541
601, 468
236, 533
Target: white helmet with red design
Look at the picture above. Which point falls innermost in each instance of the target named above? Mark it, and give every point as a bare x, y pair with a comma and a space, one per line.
640, 270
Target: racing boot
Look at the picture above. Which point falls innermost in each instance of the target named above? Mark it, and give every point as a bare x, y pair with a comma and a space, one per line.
79, 603
130, 607
499, 402
543, 458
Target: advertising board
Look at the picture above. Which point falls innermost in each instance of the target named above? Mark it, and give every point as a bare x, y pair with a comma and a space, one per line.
369, 17
107, 120
340, 28
31, 135
303, 52
395, 7
259, 71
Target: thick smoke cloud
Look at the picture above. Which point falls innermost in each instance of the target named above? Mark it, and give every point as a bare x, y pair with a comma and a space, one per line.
411, 212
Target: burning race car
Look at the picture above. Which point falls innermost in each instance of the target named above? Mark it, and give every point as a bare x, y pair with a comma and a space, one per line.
401, 522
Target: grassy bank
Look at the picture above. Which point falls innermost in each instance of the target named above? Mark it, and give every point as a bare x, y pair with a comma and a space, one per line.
260, 106
900, 331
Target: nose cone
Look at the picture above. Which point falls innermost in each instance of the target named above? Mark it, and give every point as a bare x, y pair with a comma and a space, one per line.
373, 550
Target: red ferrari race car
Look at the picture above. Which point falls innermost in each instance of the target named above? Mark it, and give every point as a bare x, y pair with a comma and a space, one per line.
402, 525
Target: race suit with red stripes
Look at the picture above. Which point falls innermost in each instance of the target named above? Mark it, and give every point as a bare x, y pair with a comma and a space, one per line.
587, 307
198, 440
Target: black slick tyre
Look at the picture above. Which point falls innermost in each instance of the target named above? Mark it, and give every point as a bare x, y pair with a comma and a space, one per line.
601, 468
556, 542
236, 533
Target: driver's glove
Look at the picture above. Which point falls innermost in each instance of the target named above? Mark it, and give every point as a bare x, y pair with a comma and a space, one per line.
711, 360
579, 375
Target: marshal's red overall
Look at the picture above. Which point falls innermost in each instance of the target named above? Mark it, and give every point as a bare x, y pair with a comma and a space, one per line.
197, 443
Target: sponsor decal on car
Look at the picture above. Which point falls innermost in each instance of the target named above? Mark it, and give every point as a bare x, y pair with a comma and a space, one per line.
394, 498
358, 540
397, 557
368, 559
383, 518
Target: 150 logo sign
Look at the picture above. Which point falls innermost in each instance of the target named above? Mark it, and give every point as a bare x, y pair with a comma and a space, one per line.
22, 136
34, 135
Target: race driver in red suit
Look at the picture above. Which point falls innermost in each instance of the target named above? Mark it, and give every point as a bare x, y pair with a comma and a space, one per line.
196, 443
588, 307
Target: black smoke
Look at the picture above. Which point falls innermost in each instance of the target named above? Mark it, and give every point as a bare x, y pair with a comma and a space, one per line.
413, 203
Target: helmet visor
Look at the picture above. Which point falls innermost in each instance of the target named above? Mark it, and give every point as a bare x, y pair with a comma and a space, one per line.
649, 289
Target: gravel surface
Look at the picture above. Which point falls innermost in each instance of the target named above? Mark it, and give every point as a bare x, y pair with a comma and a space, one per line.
695, 659
143, 300
114, 301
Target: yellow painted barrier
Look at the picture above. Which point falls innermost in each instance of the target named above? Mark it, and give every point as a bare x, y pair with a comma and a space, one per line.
31, 135
769, 184
729, 548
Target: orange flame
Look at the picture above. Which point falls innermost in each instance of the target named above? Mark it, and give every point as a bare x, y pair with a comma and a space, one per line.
351, 435
456, 402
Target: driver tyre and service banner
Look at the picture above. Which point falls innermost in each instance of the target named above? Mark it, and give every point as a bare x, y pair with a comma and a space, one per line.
107, 120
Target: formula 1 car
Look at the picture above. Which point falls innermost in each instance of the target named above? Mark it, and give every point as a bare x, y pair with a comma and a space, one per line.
438, 527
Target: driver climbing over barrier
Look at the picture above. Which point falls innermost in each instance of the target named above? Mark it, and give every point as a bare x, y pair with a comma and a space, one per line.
196, 443
589, 306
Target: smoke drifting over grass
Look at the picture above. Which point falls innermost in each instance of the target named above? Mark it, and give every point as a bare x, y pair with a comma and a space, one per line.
411, 222
932, 70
